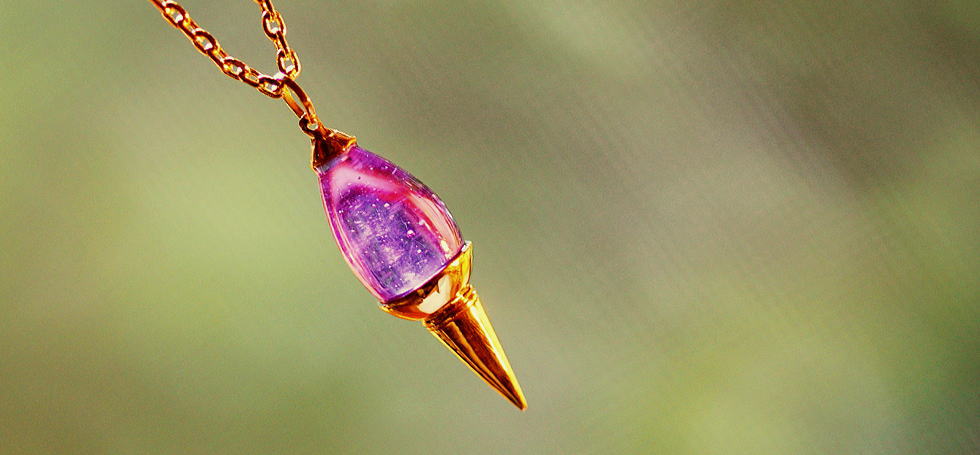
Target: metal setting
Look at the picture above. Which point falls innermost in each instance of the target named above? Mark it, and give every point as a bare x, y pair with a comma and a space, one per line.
328, 144
452, 311
437, 292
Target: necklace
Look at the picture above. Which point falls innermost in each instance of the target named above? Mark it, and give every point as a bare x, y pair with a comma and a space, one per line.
395, 233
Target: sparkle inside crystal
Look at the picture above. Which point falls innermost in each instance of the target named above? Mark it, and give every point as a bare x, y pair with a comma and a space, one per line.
395, 233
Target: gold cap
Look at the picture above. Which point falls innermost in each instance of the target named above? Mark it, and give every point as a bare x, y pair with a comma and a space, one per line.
450, 308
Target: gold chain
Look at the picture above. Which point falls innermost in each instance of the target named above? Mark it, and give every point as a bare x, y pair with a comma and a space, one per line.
275, 30
281, 85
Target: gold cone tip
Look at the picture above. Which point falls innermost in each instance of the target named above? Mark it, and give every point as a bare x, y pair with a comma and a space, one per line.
448, 306
463, 326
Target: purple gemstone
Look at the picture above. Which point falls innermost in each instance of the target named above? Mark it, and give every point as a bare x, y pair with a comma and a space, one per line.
393, 230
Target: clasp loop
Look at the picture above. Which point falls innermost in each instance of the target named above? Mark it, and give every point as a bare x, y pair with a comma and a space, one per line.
301, 105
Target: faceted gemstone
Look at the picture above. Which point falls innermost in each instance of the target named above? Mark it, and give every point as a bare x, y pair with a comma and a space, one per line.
393, 230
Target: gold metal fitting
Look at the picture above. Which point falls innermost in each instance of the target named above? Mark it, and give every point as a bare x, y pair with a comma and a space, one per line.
452, 311
328, 144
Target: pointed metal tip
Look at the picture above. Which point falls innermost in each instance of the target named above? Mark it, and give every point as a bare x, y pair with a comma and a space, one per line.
463, 326
518, 399
510, 388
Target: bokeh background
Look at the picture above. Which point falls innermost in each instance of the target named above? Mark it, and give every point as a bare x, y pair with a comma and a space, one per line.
700, 227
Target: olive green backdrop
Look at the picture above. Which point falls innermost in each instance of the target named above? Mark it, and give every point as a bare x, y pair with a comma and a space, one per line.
700, 227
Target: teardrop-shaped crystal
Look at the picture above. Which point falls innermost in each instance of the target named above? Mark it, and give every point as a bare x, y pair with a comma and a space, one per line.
393, 230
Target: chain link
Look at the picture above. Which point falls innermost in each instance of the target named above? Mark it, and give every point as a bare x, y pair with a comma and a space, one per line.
280, 86
274, 28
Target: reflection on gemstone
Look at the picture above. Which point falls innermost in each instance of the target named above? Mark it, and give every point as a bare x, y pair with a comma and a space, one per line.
393, 230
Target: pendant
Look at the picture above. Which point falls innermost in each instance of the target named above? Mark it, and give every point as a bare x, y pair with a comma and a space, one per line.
404, 246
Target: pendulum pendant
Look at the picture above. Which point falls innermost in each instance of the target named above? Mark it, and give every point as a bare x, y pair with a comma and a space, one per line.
394, 232
402, 243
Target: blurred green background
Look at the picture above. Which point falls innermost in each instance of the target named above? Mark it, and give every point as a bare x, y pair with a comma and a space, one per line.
700, 227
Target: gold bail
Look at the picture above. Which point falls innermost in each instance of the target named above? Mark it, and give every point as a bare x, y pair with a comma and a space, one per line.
463, 326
